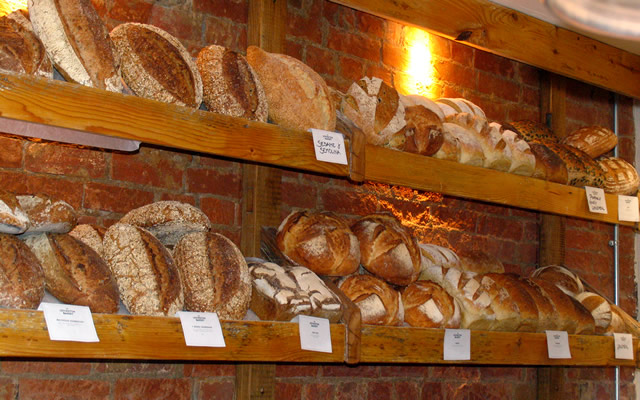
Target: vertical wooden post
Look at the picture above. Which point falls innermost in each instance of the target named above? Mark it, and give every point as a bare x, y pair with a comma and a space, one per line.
261, 190
552, 227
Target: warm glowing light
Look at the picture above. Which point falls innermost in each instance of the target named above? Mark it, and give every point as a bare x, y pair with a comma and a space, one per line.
9, 6
420, 73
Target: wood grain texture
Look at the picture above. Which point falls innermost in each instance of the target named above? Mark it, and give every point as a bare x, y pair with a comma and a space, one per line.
514, 35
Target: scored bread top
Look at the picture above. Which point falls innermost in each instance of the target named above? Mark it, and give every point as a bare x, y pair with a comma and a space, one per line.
22, 52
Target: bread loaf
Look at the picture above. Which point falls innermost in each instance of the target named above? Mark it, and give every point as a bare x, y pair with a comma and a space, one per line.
435, 261
22, 278
413, 100
428, 305
77, 42
585, 322
593, 140
563, 278
497, 155
230, 85
620, 177
450, 149
74, 273
379, 303
13, 219
470, 150
387, 248
320, 241
532, 132
599, 308
22, 52
593, 175
475, 301
47, 214
147, 277
168, 220
297, 97
423, 132
155, 65
513, 306
523, 162
548, 318
549, 166
454, 106
281, 293
566, 316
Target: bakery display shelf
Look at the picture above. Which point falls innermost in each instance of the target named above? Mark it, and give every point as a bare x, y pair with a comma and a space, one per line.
71, 106
24, 334
384, 344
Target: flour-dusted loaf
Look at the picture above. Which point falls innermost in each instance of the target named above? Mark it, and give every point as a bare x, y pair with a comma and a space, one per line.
548, 318
452, 106
523, 162
230, 85
92, 235
475, 301
599, 308
450, 149
423, 132
74, 273
22, 52
22, 278
281, 293
428, 305
497, 155
620, 177
147, 277
378, 110
567, 318
435, 261
565, 279
168, 220
297, 97
13, 219
215, 275
470, 149
379, 303
387, 248
593, 140
155, 65
320, 241
77, 42
513, 306
47, 214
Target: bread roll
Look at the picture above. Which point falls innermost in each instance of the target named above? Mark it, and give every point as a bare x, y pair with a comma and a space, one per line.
156, 66
168, 220
428, 305
532, 132
620, 177
77, 42
297, 97
74, 273
387, 248
563, 278
512, 304
22, 278
147, 276
281, 293
22, 52
378, 110
230, 85
47, 214
13, 219
470, 150
91, 235
593, 140
549, 166
215, 275
320, 241
379, 303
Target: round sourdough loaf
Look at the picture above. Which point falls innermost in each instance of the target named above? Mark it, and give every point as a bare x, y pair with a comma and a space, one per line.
593, 140
423, 132
168, 220
22, 52
230, 85
297, 97
47, 214
428, 305
155, 65
74, 273
13, 219
321, 241
388, 249
214, 273
620, 177
91, 235
22, 278
147, 276
379, 303
77, 42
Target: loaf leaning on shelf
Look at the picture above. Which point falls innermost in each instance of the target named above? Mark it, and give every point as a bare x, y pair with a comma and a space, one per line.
47, 214
13, 219
22, 52
22, 277
428, 305
379, 303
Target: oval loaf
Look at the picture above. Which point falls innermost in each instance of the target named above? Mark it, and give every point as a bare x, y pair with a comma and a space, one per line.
22, 278
13, 219
22, 52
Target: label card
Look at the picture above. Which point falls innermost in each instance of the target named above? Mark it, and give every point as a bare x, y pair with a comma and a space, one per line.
624, 346
457, 344
329, 146
69, 323
558, 344
315, 334
596, 200
201, 329
628, 209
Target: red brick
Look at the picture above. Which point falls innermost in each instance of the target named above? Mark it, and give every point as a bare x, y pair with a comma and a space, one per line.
454, 218
498, 86
140, 388
232, 234
462, 54
365, 371
59, 159
38, 389
347, 202
484, 391
176, 22
494, 64
224, 33
320, 60
502, 373
319, 391
151, 167
223, 212
353, 44
63, 189
370, 24
432, 391
46, 367
351, 69
8, 389
379, 72
395, 57
351, 391
128, 11
298, 195
214, 182
297, 370
378, 390
183, 198
235, 10
454, 72
305, 28
511, 229
454, 372
217, 391
125, 368
339, 17
404, 371
406, 390
11, 156
288, 391
440, 47
294, 49
104, 197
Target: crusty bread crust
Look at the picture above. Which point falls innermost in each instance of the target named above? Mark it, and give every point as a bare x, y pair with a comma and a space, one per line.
22, 278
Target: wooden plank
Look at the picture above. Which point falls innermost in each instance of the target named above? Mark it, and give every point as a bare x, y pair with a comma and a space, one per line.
508, 33
24, 334
421, 345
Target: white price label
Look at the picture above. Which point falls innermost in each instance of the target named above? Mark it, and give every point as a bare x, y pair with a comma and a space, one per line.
329, 146
558, 344
201, 329
628, 209
624, 346
457, 344
596, 200
315, 334
69, 323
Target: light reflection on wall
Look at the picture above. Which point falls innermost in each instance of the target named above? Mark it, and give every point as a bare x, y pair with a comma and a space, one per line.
420, 76
8, 6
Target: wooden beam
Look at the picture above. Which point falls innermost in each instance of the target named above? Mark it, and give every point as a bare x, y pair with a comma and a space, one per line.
511, 34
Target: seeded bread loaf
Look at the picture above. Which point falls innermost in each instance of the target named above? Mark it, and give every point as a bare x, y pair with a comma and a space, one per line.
47, 214
22, 277
22, 52
91, 235
523, 162
532, 132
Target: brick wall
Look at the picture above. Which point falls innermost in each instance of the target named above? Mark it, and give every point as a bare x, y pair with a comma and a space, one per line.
342, 45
